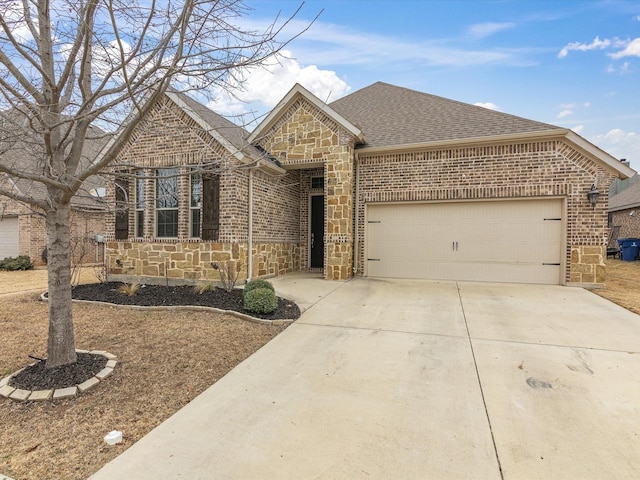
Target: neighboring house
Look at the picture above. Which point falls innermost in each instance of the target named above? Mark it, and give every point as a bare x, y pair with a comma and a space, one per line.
385, 182
22, 226
624, 210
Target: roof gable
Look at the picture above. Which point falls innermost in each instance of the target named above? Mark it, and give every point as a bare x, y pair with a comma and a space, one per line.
297, 92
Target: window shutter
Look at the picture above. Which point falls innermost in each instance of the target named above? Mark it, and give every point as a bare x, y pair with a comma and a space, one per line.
122, 208
210, 207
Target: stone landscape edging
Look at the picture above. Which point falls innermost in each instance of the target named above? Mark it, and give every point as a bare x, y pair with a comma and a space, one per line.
242, 316
20, 395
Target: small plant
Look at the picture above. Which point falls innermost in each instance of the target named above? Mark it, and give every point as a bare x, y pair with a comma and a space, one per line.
229, 272
260, 300
203, 287
129, 289
21, 262
101, 272
258, 283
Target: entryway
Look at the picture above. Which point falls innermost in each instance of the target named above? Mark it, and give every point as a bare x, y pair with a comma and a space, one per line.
316, 237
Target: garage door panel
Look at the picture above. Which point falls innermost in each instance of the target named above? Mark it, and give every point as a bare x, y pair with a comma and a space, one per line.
9, 244
510, 241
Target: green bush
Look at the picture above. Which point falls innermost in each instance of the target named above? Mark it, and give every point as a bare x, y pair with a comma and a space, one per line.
260, 300
257, 283
16, 263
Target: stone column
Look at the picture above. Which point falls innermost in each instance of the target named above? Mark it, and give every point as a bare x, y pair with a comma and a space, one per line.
339, 224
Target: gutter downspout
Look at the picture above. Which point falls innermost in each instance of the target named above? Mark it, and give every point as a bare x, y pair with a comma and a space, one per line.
356, 243
250, 233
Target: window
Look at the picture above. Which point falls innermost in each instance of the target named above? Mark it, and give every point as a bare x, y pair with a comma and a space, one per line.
139, 203
317, 183
195, 204
167, 202
122, 207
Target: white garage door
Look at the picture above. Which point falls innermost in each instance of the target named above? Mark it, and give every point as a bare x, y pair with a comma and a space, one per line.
9, 246
497, 241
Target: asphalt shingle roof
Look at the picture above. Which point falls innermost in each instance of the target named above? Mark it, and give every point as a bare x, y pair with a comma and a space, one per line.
627, 198
390, 115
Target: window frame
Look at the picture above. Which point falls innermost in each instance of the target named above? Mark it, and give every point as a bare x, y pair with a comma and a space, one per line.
138, 221
195, 206
163, 194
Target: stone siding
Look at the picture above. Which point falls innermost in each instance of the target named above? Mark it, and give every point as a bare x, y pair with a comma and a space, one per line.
193, 262
305, 137
537, 169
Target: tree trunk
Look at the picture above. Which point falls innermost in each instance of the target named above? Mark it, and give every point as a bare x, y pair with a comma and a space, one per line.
61, 348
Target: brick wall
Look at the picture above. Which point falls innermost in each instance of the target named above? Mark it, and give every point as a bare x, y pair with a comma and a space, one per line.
169, 138
629, 220
509, 170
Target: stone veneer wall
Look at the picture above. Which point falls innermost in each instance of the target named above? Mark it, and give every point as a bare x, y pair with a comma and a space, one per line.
305, 137
191, 262
536, 169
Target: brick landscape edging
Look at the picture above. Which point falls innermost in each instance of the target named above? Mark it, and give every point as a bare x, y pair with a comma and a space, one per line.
20, 395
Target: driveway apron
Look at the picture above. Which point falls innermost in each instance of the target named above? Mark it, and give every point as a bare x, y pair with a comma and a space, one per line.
417, 379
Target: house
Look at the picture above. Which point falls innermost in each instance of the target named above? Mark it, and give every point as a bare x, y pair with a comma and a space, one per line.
385, 182
22, 226
624, 209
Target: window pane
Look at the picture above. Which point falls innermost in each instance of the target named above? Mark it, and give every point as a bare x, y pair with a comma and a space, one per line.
196, 190
140, 223
139, 190
167, 188
167, 223
195, 223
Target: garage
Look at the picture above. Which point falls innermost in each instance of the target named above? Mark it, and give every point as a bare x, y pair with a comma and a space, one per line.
518, 241
9, 239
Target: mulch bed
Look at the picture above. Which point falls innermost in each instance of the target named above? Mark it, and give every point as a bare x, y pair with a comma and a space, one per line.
38, 377
158, 295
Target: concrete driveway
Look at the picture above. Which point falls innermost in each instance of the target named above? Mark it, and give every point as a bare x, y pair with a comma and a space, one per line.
417, 379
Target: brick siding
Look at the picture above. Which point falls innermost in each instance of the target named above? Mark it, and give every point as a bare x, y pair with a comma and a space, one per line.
170, 138
510, 170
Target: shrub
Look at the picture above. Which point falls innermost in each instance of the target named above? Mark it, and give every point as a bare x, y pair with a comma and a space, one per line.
260, 300
203, 287
129, 289
16, 263
257, 283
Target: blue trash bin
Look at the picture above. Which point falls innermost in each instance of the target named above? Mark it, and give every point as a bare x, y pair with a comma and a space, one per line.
629, 248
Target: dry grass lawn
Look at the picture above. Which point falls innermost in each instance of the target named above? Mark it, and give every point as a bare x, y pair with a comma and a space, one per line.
164, 361
623, 284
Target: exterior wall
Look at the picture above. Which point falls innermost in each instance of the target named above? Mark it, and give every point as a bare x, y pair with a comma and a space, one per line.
629, 220
33, 234
193, 262
537, 169
169, 138
305, 137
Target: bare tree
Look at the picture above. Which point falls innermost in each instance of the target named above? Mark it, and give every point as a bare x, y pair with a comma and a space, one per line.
73, 69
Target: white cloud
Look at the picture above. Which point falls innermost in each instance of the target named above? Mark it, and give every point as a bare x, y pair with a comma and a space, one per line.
578, 129
565, 113
483, 30
489, 105
631, 49
597, 44
268, 84
620, 144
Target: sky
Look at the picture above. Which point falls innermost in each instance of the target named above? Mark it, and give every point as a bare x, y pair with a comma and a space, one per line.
571, 63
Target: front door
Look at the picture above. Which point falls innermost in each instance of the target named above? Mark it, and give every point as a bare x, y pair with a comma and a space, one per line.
316, 251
